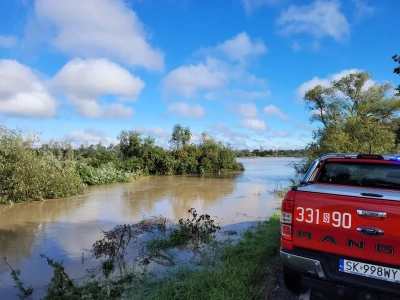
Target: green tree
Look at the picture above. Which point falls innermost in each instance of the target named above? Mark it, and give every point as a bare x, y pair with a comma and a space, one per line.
355, 117
130, 143
396, 70
180, 136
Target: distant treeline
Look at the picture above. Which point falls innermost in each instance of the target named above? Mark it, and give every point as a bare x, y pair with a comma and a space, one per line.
57, 170
270, 153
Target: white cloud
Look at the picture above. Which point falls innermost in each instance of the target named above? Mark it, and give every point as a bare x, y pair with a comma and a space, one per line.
222, 132
253, 124
252, 95
160, 135
216, 72
362, 9
326, 82
282, 133
211, 76
250, 5
22, 92
306, 86
241, 46
187, 111
272, 110
156, 132
247, 110
102, 28
7, 41
90, 136
188, 80
319, 19
221, 129
159, 132
85, 81
209, 96
236, 94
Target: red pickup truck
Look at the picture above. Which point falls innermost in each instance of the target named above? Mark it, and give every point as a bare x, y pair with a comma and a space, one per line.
340, 228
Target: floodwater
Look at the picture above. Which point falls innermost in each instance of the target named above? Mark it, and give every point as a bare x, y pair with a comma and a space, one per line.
63, 228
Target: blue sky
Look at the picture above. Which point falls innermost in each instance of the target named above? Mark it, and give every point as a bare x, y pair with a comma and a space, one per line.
82, 71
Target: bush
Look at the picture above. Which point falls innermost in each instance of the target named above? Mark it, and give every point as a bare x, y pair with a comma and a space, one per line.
217, 158
105, 174
26, 175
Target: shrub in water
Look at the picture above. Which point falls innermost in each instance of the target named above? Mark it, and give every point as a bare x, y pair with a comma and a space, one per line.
27, 174
104, 174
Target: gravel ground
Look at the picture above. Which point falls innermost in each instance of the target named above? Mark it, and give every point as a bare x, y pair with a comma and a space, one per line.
277, 290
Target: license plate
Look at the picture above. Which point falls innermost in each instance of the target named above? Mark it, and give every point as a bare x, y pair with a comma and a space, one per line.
369, 270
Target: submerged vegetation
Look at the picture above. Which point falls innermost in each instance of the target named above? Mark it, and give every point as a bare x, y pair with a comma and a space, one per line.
229, 271
56, 170
29, 174
225, 269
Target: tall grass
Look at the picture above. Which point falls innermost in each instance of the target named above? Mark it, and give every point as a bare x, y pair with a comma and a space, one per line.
26, 175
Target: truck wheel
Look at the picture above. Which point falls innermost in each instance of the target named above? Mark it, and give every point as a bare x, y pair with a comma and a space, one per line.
292, 280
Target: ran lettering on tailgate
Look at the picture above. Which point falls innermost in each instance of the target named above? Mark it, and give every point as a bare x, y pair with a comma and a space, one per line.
313, 216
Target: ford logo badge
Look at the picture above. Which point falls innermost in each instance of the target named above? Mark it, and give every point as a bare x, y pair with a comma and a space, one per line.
370, 231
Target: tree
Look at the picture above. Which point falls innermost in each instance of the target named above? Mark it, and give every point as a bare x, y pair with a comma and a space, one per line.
130, 143
180, 136
355, 117
396, 58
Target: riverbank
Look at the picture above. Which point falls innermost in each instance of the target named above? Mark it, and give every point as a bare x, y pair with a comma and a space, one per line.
228, 264
56, 170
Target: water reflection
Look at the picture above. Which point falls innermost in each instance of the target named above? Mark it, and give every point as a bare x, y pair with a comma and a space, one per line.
62, 228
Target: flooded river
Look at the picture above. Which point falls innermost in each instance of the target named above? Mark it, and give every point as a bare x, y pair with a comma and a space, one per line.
63, 228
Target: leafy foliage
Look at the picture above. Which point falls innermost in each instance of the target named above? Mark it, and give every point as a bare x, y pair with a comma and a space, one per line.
104, 174
15, 273
396, 70
112, 247
201, 226
56, 170
180, 136
26, 175
62, 287
355, 117
196, 229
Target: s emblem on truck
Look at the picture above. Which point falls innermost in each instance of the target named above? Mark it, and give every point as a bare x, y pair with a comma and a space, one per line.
370, 231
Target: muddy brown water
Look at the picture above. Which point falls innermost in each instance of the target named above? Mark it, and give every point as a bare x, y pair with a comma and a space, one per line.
63, 228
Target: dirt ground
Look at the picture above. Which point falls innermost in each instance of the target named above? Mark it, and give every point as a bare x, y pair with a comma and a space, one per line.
277, 290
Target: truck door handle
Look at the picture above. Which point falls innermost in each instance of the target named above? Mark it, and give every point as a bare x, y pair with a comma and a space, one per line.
370, 213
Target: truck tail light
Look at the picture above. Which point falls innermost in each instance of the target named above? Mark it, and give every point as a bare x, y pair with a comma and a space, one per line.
287, 216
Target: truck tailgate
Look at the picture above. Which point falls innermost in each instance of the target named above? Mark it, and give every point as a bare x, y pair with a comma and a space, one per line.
359, 223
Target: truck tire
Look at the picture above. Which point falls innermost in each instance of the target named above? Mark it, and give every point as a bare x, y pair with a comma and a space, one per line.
292, 280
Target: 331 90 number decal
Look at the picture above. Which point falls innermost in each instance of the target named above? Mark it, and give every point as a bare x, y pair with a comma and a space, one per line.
314, 216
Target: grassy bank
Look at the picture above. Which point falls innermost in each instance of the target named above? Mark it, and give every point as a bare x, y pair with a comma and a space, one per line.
227, 268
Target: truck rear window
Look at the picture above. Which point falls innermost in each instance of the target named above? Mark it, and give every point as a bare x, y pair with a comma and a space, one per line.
361, 174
